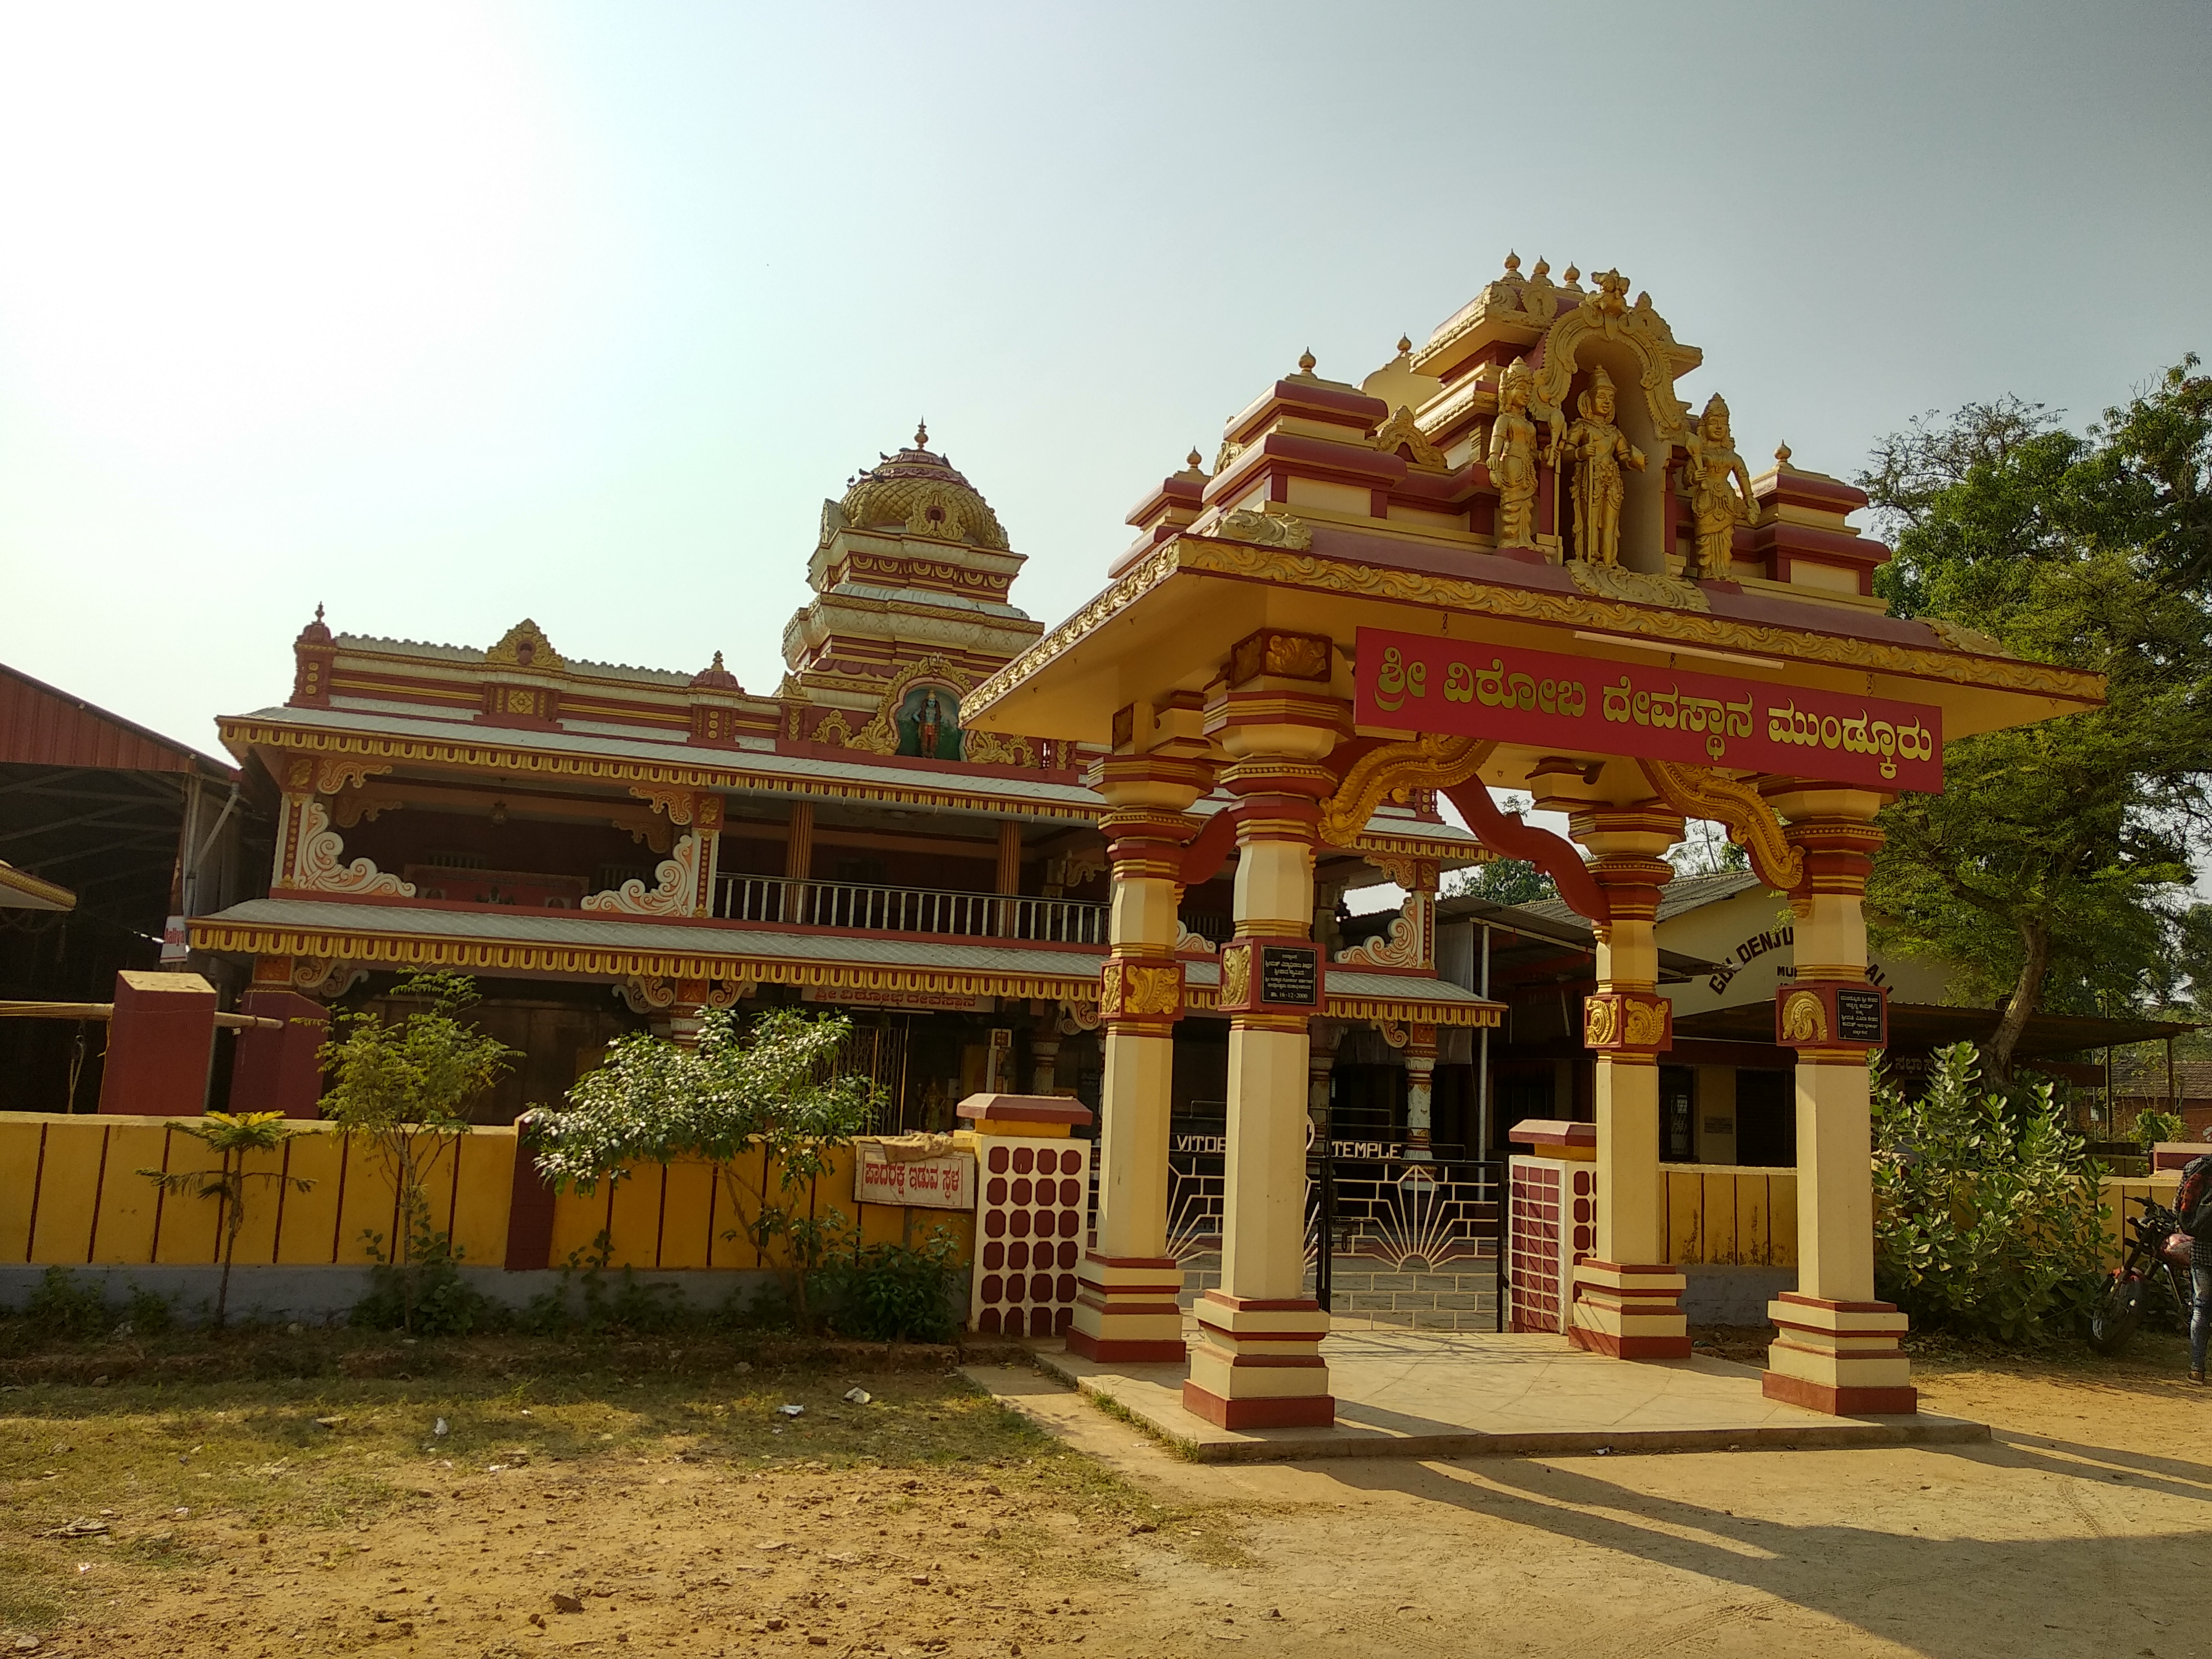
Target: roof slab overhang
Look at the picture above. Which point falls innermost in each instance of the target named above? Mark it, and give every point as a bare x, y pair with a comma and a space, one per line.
530, 945
1164, 629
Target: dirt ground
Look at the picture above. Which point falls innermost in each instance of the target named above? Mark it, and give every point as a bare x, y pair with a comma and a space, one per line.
270, 1496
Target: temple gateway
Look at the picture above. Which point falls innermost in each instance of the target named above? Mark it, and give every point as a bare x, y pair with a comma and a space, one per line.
1124, 858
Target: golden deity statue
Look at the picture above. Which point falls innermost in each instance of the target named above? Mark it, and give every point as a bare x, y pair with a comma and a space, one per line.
1718, 485
1598, 448
1513, 457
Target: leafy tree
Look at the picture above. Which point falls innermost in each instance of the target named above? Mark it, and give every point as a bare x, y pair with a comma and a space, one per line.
405, 1087
1706, 851
2052, 867
1504, 881
233, 1137
1987, 1218
762, 1108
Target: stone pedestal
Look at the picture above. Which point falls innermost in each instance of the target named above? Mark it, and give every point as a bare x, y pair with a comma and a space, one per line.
159, 1043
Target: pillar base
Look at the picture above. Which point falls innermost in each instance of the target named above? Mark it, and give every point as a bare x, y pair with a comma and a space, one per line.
1126, 1311
1258, 1365
1841, 1357
1629, 1311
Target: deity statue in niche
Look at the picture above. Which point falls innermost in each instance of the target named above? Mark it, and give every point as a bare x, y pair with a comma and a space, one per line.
928, 723
1718, 485
1513, 457
1598, 449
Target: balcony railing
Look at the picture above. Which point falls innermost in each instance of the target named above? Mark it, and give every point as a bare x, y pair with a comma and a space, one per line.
908, 910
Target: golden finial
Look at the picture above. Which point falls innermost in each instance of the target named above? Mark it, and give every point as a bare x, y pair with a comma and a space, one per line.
1573, 276
1193, 460
1543, 267
319, 610
1306, 360
718, 659
1512, 263
1404, 343
1782, 454
921, 435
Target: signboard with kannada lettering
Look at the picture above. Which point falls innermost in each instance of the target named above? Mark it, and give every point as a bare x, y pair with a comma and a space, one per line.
943, 1182
1417, 683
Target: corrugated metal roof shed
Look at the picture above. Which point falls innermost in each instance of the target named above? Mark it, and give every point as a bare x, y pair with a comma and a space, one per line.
41, 725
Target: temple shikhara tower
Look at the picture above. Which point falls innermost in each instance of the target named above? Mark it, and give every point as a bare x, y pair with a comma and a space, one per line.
1132, 857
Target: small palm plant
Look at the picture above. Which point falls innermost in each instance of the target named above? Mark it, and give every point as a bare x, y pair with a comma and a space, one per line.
233, 1137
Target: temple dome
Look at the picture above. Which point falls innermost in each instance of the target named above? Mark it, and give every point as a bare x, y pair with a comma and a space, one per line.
917, 492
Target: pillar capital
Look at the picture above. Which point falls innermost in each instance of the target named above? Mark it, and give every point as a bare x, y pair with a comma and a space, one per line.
1162, 782
1291, 724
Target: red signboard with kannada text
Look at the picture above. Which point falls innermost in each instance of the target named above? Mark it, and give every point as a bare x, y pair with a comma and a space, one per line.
1417, 683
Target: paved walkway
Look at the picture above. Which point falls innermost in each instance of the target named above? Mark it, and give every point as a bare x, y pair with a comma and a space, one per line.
1466, 1395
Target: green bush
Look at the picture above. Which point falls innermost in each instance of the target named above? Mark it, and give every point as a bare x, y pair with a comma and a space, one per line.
890, 1293
423, 1293
1986, 1213
62, 1305
586, 1300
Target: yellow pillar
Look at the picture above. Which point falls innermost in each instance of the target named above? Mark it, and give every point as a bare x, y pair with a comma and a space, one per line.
1258, 1362
1837, 1347
1627, 1298
1126, 1309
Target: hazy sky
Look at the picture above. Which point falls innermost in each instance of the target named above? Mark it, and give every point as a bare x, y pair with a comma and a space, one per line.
450, 314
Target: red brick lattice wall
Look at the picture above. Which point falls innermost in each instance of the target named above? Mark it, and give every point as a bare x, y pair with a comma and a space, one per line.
1029, 1232
1551, 1224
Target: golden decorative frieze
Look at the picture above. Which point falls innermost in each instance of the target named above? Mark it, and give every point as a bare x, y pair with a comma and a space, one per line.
989, 749
1628, 1022
1275, 654
1140, 990
1960, 637
1698, 791
1612, 581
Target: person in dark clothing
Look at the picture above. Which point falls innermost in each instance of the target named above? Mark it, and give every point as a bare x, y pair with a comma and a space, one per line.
2193, 1205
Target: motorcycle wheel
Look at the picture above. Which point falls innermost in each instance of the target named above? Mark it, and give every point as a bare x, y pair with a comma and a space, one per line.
2115, 1314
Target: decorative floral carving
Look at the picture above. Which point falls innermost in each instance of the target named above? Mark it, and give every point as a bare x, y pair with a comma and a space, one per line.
989, 749
1263, 529
645, 995
1076, 1015
1394, 1032
677, 878
322, 867
675, 802
1187, 941
1236, 973
1402, 433
1804, 1018
339, 772
325, 979
1137, 990
1611, 581
834, 729
1410, 942
525, 646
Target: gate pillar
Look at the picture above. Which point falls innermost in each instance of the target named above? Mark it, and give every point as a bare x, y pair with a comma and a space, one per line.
1627, 1300
1258, 1363
1126, 1309
1837, 1346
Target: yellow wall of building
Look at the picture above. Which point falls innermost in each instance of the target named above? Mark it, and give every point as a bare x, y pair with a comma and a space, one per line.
71, 1195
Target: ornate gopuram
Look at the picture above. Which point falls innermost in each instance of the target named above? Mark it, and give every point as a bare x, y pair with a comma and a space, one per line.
1510, 558
604, 848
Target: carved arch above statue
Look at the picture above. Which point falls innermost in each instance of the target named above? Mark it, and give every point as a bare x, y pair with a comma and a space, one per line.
1605, 315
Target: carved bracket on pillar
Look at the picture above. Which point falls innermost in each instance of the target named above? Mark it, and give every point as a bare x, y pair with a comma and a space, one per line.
1435, 760
1628, 1023
1556, 856
1698, 791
